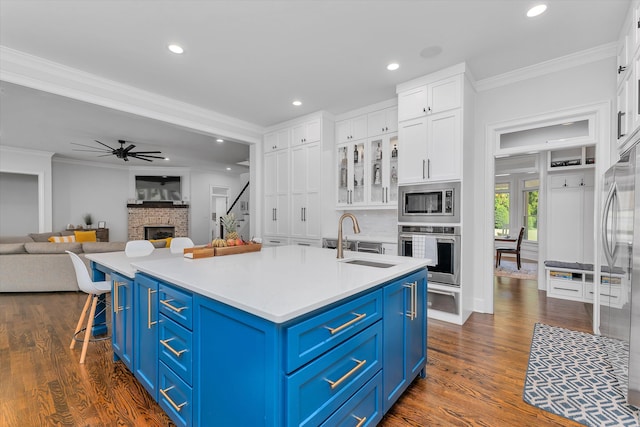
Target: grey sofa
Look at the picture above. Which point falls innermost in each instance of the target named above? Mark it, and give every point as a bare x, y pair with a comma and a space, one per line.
33, 264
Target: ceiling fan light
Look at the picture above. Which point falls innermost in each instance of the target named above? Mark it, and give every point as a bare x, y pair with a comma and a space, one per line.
167, 159
536, 10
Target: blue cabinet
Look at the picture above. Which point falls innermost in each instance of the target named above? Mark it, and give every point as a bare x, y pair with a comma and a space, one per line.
405, 334
145, 350
207, 363
122, 303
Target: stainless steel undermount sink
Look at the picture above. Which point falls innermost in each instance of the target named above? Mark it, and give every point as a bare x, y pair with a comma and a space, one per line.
368, 263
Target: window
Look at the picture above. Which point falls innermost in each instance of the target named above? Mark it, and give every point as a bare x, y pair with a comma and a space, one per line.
531, 209
501, 209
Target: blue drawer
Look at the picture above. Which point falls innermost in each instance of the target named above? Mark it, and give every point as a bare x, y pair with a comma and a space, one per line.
175, 347
307, 340
320, 388
363, 409
175, 397
176, 304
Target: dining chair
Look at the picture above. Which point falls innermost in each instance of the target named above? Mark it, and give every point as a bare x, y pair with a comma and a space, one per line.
93, 291
511, 250
178, 244
136, 248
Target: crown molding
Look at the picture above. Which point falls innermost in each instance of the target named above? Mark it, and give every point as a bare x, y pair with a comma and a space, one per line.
38, 73
10, 149
547, 67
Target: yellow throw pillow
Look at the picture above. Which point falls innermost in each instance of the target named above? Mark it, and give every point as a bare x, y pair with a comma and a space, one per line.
62, 239
85, 236
167, 241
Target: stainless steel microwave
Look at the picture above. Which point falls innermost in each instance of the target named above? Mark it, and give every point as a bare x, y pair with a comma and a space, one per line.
430, 203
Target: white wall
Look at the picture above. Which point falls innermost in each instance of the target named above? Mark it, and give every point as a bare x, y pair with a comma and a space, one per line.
81, 187
19, 207
581, 85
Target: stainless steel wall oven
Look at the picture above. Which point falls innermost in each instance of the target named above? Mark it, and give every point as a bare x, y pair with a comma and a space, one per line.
443, 290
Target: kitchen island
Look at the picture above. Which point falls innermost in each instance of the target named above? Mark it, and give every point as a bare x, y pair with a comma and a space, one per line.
286, 336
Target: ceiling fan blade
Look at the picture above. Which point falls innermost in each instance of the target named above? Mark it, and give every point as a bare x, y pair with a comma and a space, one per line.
92, 151
129, 148
147, 152
145, 155
90, 146
141, 158
110, 148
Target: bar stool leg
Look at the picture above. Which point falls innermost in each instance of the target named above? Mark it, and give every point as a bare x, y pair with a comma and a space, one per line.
79, 325
87, 334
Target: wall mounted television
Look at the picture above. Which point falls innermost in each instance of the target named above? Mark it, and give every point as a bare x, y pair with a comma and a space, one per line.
160, 188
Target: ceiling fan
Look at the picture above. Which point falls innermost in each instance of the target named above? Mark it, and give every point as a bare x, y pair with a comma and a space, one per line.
121, 152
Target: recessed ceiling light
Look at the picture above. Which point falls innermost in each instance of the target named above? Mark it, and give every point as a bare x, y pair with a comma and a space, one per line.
297, 103
219, 140
228, 169
175, 48
393, 66
167, 159
536, 10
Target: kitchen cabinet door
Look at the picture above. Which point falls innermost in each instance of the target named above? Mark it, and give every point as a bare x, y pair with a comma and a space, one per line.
276, 190
278, 140
145, 354
413, 156
405, 334
383, 171
122, 335
351, 129
351, 174
307, 132
305, 191
437, 97
444, 142
382, 122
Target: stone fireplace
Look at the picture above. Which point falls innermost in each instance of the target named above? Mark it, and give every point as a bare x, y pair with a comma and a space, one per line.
155, 219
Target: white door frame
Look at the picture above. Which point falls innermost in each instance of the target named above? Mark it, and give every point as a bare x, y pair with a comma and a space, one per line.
214, 193
599, 115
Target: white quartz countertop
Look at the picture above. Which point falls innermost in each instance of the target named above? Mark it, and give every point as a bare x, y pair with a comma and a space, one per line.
120, 263
278, 283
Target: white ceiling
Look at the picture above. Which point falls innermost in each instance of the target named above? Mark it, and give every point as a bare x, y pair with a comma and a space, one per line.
251, 59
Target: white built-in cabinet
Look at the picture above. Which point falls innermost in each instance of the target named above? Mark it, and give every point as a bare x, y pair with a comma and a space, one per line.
305, 191
570, 206
276, 193
430, 128
307, 132
628, 72
351, 129
292, 184
367, 167
382, 122
433, 98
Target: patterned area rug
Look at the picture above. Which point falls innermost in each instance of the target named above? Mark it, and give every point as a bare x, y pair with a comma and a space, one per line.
510, 269
571, 374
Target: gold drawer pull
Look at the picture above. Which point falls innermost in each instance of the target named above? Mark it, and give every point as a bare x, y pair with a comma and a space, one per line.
149, 322
349, 323
171, 349
116, 296
176, 309
166, 396
334, 384
361, 421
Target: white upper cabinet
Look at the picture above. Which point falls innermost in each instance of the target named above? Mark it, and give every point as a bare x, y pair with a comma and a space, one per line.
433, 98
431, 148
277, 140
382, 122
627, 74
307, 132
351, 129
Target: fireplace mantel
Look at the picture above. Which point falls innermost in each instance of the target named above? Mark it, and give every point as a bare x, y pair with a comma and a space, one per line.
157, 205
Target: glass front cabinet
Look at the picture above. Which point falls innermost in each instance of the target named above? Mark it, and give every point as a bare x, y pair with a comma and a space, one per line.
368, 172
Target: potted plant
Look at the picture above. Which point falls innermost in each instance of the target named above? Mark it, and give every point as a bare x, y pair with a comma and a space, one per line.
88, 219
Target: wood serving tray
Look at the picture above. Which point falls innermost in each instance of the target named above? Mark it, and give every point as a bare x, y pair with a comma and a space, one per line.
198, 252
232, 250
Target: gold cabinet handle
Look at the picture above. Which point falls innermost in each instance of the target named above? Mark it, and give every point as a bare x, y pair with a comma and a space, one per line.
361, 421
149, 322
349, 323
171, 349
413, 305
176, 309
334, 384
116, 296
166, 396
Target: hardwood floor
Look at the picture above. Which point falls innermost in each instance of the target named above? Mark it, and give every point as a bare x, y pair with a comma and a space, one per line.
475, 372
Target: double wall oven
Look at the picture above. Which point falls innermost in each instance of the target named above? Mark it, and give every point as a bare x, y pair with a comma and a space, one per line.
430, 210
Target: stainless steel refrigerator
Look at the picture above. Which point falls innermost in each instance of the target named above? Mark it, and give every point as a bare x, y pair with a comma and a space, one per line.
619, 296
